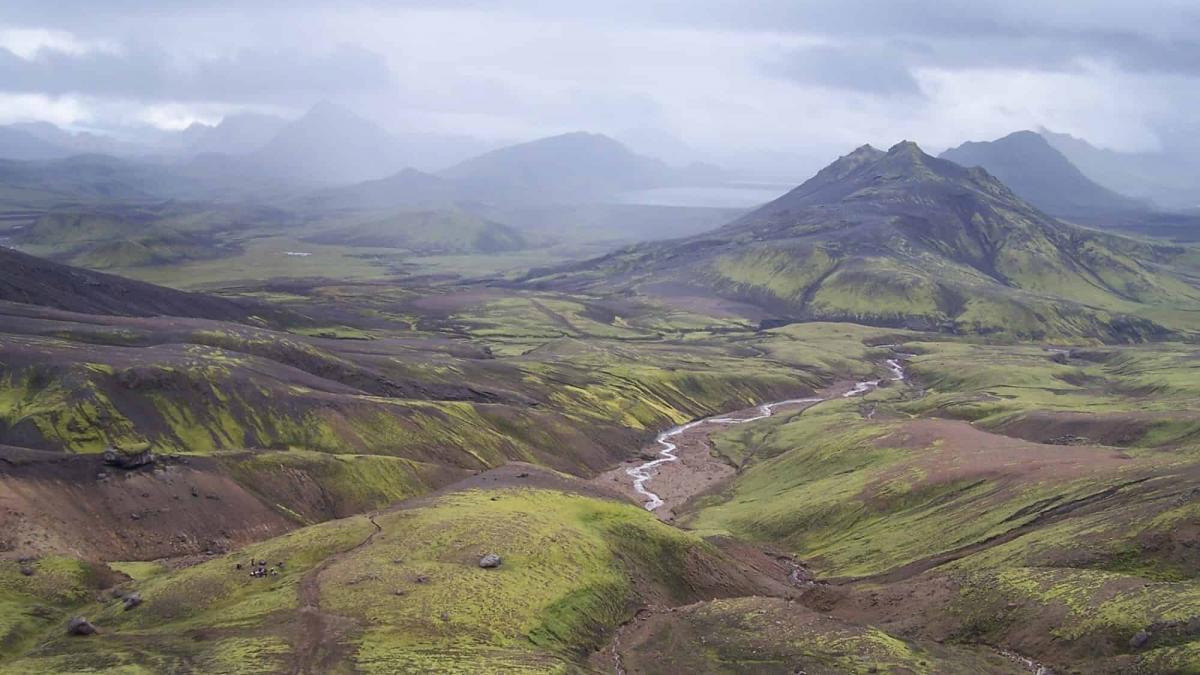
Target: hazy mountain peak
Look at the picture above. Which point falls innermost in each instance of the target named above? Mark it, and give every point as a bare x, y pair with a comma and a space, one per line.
329, 144
906, 148
1026, 162
571, 166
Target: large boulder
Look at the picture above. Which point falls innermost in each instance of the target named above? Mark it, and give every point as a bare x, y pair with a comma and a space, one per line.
132, 600
128, 460
79, 625
489, 561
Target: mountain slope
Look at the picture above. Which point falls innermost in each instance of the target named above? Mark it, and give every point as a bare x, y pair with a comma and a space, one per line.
424, 232
1043, 176
330, 144
20, 145
408, 187
30, 280
1167, 179
235, 135
570, 167
904, 239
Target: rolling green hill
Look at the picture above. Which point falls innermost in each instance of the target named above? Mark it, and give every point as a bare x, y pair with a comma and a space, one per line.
900, 238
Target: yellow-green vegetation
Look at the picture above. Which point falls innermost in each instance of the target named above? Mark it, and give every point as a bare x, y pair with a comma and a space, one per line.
139, 570
567, 579
212, 614
1131, 397
348, 483
409, 584
67, 409
38, 594
770, 635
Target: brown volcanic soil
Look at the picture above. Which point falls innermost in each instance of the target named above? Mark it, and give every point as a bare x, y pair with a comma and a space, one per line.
1111, 428
57, 503
954, 450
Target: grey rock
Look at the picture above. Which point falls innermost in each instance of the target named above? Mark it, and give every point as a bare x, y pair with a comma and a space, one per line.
79, 625
128, 460
1140, 640
490, 561
132, 600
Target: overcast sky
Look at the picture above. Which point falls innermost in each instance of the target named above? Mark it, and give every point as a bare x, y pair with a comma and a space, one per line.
717, 80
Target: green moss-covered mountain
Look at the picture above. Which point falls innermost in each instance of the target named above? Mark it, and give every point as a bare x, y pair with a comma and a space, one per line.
900, 238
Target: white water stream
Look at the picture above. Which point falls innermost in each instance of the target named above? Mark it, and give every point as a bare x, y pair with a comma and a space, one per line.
642, 473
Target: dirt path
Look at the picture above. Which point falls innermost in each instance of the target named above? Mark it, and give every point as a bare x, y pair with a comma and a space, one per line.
317, 643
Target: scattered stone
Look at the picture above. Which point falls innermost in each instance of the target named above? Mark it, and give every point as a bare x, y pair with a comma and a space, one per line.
495, 499
195, 492
128, 460
135, 515
422, 579
132, 600
79, 625
1140, 640
399, 591
1068, 439
397, 561
489, 561
523, 474
26, 570
101, 475
445, 616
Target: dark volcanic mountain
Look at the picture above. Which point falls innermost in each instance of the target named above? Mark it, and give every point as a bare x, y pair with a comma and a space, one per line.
30, 280
1043, 176
571, 167
901, 238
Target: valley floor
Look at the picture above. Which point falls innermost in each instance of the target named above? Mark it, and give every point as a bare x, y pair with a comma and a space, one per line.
1003, 506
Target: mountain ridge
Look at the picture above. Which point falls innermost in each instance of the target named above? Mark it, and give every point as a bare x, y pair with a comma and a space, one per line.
906, 239
1043, 176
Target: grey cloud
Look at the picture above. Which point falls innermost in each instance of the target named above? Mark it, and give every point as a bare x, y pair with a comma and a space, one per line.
147, 72
850, 67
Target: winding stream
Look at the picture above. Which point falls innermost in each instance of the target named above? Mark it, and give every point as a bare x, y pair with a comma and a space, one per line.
642, 473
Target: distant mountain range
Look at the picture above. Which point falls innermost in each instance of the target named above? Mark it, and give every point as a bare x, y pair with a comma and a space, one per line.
577, 167
1168, 179
248, 155
900, 238
571, 167
1043, 176
234, 135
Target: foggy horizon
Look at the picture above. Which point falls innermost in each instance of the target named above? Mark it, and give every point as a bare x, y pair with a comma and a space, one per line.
749, 86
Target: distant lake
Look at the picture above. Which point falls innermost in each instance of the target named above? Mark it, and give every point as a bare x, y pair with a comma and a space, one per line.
729, 196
